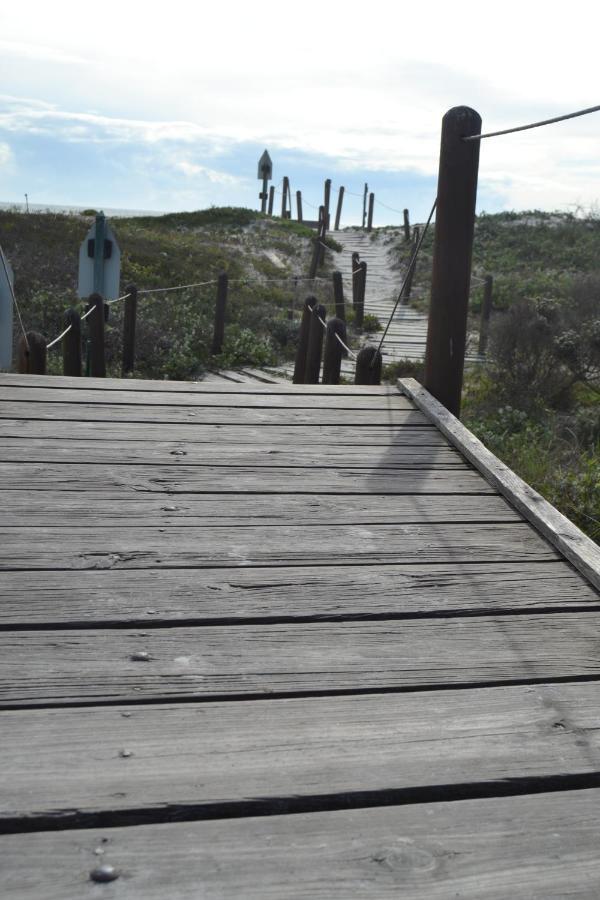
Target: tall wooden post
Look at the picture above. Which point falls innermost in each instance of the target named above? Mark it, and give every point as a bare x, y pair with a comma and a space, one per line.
285, 191
361, 290
332, 359
338, 212
453, 245
410, 273
271, 200
370, 218
368, 366
338, 296
314, 350
300, 364
406, 226
356, 271
129, 320
299, 204
71, 344
96, 331
364, 216
322, 233
221, 303
327, 201
32, 354
486, 311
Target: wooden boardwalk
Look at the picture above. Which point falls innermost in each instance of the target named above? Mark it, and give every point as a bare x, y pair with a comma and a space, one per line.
271, 641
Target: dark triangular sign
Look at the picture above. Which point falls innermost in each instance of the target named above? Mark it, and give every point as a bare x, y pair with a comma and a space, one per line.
265, 166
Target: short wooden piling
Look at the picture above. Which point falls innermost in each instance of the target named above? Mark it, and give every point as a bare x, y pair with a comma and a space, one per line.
338, 212
327, 201
129, 322
95, 320
364, 211
334, 352
412, 265
486, 311
71, 345
338, 296
452, 251
32, 354
370, 216
314, 351
221, 303
361, 290
271, 200
368, 366
300, 363
299, 205
406, 226
322, 233
284, 198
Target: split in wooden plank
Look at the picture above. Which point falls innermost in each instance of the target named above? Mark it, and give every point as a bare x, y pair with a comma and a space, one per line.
269, 545
148, 596
127, 481
114, 665
201, 757
576, 546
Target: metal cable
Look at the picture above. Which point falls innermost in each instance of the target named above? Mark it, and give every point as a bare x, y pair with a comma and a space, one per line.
14, 298
409, 271
573, 115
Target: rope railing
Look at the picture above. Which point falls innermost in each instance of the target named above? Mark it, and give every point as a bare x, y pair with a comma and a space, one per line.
324, 324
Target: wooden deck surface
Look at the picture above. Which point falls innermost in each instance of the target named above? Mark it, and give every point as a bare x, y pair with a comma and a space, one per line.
275, 641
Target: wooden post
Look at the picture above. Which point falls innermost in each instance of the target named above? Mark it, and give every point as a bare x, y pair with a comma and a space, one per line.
221, 303
316, 256
355, 275
370, 219
368, 366
96, 331
71, 344
410, 274
361, 290
314, 350
299, 204
406, 226
486, 310
332, 360
284, 197
364, 217
322, 233
32, 354
129, 320
338, 212
453, 245
327, 201
271, 199
338, 296
300, 364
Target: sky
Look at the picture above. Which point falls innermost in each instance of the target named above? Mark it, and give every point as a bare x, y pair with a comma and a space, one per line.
168, 106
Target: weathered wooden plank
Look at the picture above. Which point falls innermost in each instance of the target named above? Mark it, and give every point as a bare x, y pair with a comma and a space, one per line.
538, 846
146, 596
393, 400
180, 452
57, 667
259, 545
576, 546
263, 480
203, 755
224, 435
53, 382
109, 508
104, 412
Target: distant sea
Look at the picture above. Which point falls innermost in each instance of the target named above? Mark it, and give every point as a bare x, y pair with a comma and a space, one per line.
50, 207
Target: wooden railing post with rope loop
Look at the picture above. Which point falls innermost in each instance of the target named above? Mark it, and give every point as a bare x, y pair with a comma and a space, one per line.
314, 351
299, 205
406, 226
338, 212
361, 289
370, 215
368, 366
300, 364
453, 244
32, 354
334, 351
338, 296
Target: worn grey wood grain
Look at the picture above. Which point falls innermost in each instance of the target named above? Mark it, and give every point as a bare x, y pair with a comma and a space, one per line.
576, 546
223, 415
259, 545
392, 400
542, 846
171, 479
182, 453
218, 753
55, 667
150, 595
109, 508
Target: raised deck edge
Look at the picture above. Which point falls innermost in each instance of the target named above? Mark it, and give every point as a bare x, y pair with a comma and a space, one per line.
563, 534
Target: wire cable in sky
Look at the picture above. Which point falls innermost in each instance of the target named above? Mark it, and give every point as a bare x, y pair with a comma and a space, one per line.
573, 115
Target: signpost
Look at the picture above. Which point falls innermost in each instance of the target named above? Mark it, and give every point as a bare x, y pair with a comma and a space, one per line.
265, 171
6, 313
99, 261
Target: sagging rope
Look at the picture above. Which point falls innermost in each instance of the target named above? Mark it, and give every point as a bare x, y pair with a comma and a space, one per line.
324, 324
573, 115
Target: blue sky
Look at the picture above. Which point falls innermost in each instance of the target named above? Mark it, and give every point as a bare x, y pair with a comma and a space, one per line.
172, 112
